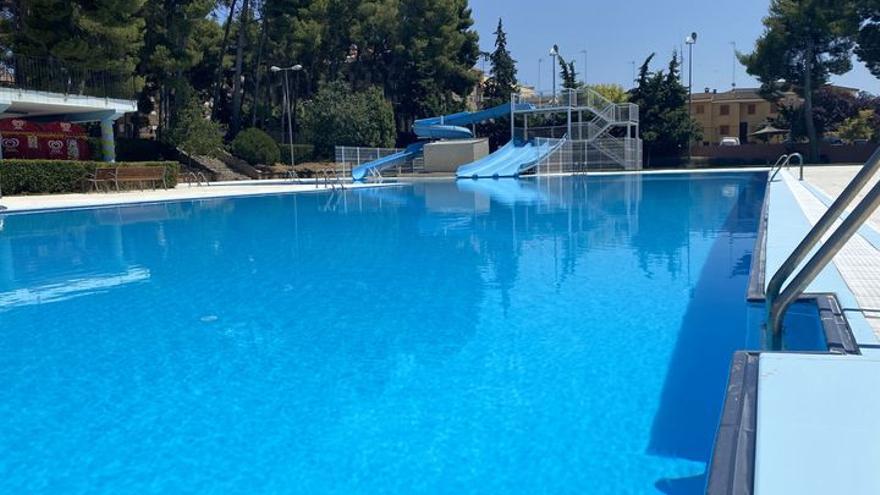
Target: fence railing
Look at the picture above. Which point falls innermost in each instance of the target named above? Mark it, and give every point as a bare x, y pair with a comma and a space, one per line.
577, 156
582, 98
51, 75
349, 157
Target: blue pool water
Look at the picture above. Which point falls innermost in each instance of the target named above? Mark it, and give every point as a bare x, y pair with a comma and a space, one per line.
567, 335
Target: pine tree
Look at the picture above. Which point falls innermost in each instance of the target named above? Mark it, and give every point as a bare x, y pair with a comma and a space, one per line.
502, 82
666, 125
868, 35
804, 42
175, 41
568, 74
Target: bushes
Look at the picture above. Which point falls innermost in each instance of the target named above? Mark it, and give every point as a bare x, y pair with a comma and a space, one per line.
62, 176
195, 134
338, 116
255, 147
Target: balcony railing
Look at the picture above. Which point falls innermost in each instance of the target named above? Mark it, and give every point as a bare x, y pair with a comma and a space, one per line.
53, 76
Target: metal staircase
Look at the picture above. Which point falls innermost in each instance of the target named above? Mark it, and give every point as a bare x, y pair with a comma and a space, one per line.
596, 132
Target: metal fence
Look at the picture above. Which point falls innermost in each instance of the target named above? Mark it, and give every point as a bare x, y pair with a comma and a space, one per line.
349, 157
576, 156
54, 76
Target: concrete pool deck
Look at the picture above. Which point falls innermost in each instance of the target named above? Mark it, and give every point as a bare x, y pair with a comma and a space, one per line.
13, 204
816, 413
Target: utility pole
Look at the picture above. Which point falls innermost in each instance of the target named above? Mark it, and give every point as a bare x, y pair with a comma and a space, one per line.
733, 44
584, 52
295, 68
691, 41
554, 53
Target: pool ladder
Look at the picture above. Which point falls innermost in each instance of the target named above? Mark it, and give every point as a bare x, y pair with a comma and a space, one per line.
778, 300
331, 179
785, 161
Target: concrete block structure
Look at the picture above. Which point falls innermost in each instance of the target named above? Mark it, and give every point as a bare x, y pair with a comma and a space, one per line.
447, 156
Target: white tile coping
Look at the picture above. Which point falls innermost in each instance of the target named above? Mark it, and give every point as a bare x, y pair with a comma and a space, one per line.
182, 192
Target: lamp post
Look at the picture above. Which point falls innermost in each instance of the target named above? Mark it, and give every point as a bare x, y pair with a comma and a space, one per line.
733, 44
584, 52
286, 105
690, 41
554, 52
540, 64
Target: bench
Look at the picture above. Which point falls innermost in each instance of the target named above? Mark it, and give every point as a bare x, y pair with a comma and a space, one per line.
117, 175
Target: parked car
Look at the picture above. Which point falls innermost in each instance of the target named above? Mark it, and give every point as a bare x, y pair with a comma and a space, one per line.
729, 141
859, 141
833, 140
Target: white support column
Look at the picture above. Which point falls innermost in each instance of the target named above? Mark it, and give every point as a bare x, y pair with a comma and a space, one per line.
108, 140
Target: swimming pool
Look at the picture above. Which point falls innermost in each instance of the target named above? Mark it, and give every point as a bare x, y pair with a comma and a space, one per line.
553, 335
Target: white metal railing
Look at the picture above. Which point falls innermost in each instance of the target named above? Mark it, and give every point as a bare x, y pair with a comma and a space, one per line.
349, 157
586, 98
580, 156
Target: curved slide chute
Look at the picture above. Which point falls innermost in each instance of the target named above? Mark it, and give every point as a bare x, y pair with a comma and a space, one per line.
411, 151
445, 127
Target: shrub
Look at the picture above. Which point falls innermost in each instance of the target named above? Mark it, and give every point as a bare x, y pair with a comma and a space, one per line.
195, 134
256, 147
62, 176
338, 116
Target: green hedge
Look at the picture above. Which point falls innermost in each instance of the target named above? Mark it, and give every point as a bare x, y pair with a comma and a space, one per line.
62, 176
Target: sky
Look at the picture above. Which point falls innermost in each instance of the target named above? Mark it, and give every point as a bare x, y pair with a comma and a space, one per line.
616, 34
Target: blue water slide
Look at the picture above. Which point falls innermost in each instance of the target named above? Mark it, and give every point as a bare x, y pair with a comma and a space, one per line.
411, 151
510, 160
445, 127
451, 126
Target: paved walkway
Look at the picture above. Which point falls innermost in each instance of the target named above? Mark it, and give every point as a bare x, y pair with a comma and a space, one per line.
859, 260
831, 180
181, 192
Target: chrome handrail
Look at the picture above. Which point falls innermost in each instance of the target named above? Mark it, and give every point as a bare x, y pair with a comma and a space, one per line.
197, 177
778, 300
785, 161
326, 174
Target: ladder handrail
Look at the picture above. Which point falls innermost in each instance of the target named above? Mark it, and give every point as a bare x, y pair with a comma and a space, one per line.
779, 300
785, 161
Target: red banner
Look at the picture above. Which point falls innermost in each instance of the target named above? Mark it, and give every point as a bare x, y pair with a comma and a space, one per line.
52, 140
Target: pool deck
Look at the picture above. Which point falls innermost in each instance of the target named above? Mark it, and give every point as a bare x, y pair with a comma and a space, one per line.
15, 204
817, 429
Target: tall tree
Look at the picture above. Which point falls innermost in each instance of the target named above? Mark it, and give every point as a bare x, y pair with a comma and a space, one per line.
88, 34
237, 91
804, 42
868, 35
666, 125
433, 58
175, 39
502, 82
568, 74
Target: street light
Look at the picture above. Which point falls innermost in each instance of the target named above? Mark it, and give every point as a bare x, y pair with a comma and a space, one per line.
286, 108
554, 52
584, 52
540, 63
690, 41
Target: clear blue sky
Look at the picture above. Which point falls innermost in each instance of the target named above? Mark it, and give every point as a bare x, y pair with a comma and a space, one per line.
616, 33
